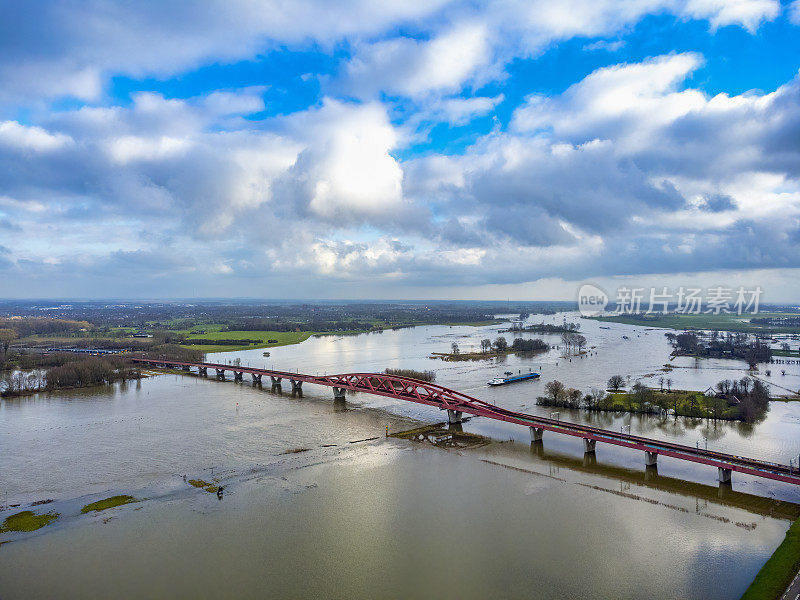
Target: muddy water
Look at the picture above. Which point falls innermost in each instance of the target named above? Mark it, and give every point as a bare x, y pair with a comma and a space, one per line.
355, 517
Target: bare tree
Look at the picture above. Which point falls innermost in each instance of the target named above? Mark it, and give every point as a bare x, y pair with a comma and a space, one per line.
616, 382
6, 337
454, 347
555, 390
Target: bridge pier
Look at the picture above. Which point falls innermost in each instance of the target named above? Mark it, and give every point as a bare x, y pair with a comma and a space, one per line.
203, 371
454, 416
220, 373
588, 445
297, 387
536, 434
237, 375
338, 394
650, 472
455, 427
724, 475
275, 381
186, 368
650, 458
256, 378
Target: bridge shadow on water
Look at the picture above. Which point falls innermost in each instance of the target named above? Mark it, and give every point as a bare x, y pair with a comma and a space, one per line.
722, 494
548, 463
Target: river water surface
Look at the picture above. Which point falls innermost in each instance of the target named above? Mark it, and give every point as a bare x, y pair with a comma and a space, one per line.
358, 515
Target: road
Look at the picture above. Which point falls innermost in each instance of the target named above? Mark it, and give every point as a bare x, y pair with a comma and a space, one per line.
793, 591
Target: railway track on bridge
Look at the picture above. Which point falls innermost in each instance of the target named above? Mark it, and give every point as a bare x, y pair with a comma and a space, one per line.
456, 403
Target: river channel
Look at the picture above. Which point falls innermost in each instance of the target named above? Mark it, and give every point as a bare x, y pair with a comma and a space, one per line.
319, 503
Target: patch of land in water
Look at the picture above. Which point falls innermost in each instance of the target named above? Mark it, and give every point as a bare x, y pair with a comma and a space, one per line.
27, 520
107, 503
443, 437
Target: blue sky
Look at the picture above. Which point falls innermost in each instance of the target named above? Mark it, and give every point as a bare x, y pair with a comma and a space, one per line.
398, 150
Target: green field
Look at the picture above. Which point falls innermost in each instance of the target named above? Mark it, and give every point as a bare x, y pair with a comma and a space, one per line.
284, 339
684, 403
721, 322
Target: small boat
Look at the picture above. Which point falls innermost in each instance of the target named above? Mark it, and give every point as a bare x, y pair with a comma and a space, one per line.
512, 379
266, 353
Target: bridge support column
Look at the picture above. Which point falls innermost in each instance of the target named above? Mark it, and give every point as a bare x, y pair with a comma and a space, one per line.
453, 416
203, 371
650, 458
186, 368
724, 475
536, 434
297, 387
650, 472
220, 373
256, 378
237, 375
338, 394
275, 381
588, 445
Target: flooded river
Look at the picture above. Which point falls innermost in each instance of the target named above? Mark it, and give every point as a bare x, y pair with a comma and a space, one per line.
318, 503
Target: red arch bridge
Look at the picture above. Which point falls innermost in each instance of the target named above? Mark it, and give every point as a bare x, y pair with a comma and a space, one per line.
457, 403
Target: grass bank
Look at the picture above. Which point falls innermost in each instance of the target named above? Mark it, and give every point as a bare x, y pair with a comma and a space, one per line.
777, 573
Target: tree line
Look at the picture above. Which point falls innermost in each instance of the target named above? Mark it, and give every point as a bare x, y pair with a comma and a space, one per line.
730, 345
421, 375
79, 372
500, 345
744, 400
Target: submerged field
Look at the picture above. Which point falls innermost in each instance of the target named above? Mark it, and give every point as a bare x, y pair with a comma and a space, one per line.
721, 322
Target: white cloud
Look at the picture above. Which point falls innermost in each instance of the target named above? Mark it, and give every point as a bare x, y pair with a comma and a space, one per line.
460, 111
605, 45
346, 169
625, 102
52, 49
131, 148
414, 68
794, 12
747, 13
34, 138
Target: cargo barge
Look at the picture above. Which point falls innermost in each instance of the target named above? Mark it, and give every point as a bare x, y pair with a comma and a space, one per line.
512, 379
